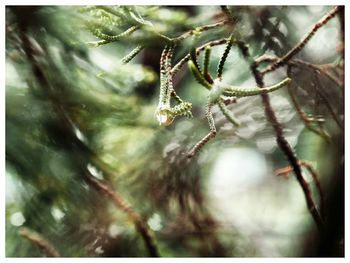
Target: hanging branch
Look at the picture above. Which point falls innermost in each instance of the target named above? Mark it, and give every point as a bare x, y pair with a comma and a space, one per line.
206, 64
39, 241
224, 57
281, 140
282, 61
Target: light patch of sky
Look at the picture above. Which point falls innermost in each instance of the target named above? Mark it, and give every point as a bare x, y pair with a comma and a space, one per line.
17, 219
102, 59
236, 170
114, 230
155, 222
12, 77
57, 213
244, 194
323, 45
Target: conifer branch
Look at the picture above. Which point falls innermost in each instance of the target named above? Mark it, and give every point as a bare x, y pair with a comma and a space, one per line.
281, 140
132, 54
195, 149
224, 57
183, 61
229, 116
206, 64
198, 75
108, 38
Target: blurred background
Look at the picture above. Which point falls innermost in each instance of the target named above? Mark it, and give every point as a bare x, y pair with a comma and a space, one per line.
73, 109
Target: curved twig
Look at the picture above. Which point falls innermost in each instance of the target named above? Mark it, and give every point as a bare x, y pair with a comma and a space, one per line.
287, 170
123, 205
281, 140
185, 59
39, 241
296, 49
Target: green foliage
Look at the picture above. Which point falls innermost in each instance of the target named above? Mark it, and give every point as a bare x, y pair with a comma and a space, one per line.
91, 173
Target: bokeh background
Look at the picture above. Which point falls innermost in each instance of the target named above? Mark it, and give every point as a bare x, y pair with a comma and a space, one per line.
73, 109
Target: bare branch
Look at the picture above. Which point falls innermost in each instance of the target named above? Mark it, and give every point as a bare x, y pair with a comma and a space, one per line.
281, 140
295, 50
39, 241
287, 170
123, 205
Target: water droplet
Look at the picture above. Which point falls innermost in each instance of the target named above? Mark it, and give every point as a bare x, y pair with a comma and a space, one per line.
163, 117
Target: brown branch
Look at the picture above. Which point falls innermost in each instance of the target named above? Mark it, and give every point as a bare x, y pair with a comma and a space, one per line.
39, 241
296, 49
315, 176
198, 29
281, 140
123, 205
287, 149
286, 170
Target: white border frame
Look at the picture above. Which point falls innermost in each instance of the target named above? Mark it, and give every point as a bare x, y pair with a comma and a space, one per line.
167, 2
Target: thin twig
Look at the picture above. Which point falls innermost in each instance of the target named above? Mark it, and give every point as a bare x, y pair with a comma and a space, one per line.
287, 170
38, 240
315, 176
296, 49
132, 54
108, 38
198, 30
281, 140
123, 205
